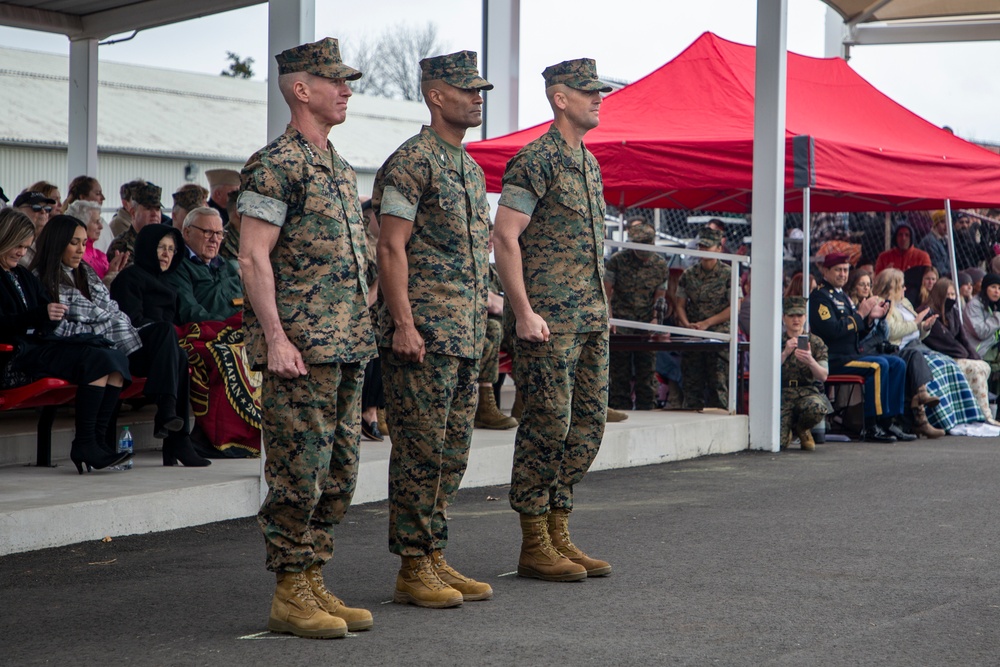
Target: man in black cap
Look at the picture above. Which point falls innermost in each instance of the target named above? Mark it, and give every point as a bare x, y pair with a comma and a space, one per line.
36, 206
302, 252
842, 326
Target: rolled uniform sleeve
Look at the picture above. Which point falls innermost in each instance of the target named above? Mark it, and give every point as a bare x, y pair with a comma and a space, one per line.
525, 181
396, 204
262, 207
265, 191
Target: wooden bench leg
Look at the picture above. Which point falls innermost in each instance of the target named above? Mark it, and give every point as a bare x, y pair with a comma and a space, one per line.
44, 438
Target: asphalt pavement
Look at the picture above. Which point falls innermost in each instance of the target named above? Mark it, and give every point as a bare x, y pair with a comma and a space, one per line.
857, 554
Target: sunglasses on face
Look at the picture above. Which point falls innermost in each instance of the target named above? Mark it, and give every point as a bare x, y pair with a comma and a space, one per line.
37, 208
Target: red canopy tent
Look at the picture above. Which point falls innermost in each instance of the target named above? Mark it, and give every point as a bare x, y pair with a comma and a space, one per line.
682, 137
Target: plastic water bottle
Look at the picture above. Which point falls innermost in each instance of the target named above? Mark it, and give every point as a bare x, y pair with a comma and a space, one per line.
125, 444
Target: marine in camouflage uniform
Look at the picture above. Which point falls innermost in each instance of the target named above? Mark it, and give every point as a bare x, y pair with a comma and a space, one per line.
703, 294
552, 203
634, 279
803, 403
311, 337
146, 212
430, 199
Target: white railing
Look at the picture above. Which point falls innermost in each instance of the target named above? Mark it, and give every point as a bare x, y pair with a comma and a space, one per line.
732, 337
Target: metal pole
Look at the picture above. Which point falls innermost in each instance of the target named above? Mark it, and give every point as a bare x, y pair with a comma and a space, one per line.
888, 230
768, 216
734, 339
951, 251
806, 249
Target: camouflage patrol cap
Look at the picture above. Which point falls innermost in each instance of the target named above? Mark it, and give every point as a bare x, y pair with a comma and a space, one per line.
147, 195
794, 305
321, 58
580, 74
456, 69
641, 233
190, 196
708, 237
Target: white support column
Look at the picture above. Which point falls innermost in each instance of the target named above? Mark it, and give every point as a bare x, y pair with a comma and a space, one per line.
81, 156
768, 222
833, 34
289, 23
501, 65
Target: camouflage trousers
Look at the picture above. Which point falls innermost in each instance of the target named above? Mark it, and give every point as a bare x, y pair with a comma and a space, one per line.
705, 373
429, 409
489, 365
564, 386
311, 428
629, 367
801, 409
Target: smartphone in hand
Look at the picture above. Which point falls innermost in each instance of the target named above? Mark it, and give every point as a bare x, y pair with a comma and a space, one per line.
804, 342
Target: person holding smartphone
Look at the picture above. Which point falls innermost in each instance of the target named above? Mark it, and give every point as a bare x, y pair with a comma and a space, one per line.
804, 367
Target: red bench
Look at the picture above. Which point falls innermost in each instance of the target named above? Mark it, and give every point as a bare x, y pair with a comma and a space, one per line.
48, 394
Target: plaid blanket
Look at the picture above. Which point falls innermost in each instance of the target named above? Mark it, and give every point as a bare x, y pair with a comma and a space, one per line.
958, 405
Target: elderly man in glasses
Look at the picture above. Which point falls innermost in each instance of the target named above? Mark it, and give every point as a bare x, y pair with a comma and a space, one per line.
208, 287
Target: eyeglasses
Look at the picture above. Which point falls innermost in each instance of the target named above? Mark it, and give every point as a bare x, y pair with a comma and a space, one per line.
37, 208
209, 233
166, 248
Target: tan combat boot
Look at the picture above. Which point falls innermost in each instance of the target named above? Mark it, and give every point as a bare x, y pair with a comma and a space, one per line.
417, 583
923, 427
296, 611
539, 559
924, 397
559, 534
487, 413
616, 415
469, 588
806, 440
356, 619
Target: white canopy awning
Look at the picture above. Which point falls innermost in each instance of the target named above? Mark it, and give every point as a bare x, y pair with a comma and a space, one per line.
918, 21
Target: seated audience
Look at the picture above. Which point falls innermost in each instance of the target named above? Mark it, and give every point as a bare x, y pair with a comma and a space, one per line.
859, 285
842, 326
187, 198
89, 213
935, 243
48, 190
964, 288
207, 286
907, 328
84, 188
803, 371
982, 320
222, 183
947, 336
38, 208
152, 351
122, 219
143, 209
902, 255
28, 319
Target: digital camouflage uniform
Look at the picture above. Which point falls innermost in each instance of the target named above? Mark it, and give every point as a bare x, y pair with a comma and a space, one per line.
803, 404
706, 293
430, 405
311, 424
635, 277
564, 381
489, 363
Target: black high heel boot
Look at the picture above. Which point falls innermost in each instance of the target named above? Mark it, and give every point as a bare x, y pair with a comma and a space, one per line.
85, 449
166, 420
107, 419
178, 447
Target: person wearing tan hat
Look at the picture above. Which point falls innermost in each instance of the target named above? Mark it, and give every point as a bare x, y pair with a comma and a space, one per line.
302, 254
187, 198
805, 366
220, 183
549, 238
430, 200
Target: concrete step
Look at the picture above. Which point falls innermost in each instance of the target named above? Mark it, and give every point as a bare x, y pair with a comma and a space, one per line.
50, 507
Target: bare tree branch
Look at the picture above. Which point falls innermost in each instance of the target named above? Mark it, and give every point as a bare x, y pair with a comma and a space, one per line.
391, 65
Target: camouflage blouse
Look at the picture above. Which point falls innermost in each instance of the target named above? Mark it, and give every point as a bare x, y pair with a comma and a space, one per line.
562, 248
706, 292
447, 258
319, 259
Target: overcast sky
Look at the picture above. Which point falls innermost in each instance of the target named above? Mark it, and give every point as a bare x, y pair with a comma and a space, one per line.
948, 84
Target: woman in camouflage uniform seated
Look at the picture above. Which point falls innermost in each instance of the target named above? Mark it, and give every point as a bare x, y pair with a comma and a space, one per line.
803, 404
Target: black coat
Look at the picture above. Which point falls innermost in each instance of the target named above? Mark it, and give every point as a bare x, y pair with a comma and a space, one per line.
16, 318
833, 318
951, 339
140, 290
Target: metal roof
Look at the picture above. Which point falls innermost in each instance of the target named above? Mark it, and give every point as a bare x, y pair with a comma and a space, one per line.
98, 19
149, 111
865, 11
